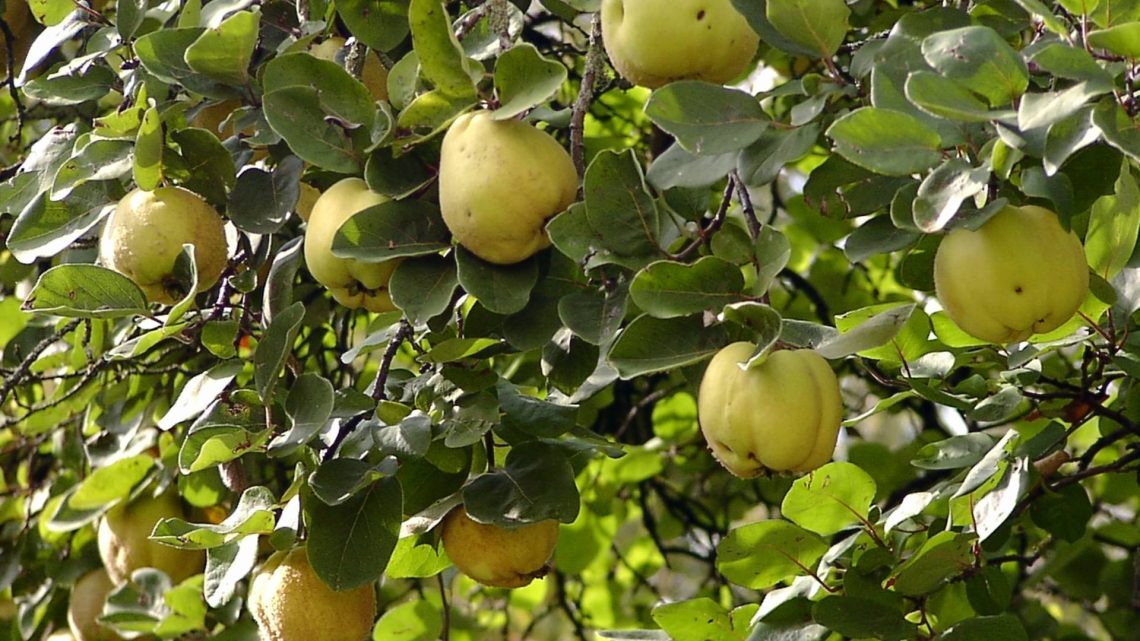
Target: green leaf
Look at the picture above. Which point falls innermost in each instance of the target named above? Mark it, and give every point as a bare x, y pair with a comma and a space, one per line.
593, 316
308, 408
350, 544
942, 193
980, 60
423, 287
535, 484
391, 230
524, 79
666, 289
1114, 226
942, 556
85, 291
1122, 39
380, 24
956, 452
862, 618
275, 347
654, 345
1064, 513
696, 620
618, 207
441, 57
199, 393
223, 53
831, 498
148, 151
1004, 627
1118, 128
886, 142
820, 25
763, 160
875, 331
71, 87
109, 483
503, 289
942, 97
760, 555
417, 620
707, 119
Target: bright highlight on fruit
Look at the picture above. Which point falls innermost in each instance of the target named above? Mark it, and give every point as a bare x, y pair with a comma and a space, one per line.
654, 42
1020, 274
143, 238
499, 182
496, 556
353, 283
291, 603
782, 415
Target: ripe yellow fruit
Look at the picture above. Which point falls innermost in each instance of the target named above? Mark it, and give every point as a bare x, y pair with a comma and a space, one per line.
144, 236
1020, 274
125, 546
499, 182
212, 116
374, 75
353, 283
291, 603
86, 604
781, 415
496, 556
61, 635
654, 42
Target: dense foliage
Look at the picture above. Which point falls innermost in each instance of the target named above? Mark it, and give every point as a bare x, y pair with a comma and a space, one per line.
979, 491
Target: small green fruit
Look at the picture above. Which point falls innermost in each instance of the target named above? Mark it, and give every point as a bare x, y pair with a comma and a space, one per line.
496, 556
291, 603
654, 42
143, 238
781, 415
1020, 274
353, 283
125, 546
499, 182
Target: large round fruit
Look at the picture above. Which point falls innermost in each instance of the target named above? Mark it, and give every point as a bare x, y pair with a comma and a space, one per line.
86, 604
654, 42
497, 556
1020, 274
499, 182
781, 415
291, 603
353, 283
143, 238
125, 546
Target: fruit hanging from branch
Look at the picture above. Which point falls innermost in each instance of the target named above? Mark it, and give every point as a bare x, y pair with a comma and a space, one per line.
780, 415
125, 546
497, 556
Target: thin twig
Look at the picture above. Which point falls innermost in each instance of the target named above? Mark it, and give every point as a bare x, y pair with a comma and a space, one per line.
585, 96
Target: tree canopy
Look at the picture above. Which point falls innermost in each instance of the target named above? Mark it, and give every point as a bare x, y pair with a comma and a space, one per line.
344, 375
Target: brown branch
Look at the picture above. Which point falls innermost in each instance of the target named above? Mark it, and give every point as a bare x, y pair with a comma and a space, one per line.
585, 96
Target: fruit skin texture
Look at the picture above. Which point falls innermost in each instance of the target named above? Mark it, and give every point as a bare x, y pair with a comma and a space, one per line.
781, 415
291, 603
496, 556
1020, 274
306, 198
353, 283
86, 604
654, 42
144, 236
374, 75
499, 181
125, 547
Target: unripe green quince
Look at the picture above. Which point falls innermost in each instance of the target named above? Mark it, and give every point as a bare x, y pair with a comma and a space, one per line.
291, 603
86, 604
143, 238
499, 182
781, 415
353, 283
125, 546
654, 42
1020, 274
497, 556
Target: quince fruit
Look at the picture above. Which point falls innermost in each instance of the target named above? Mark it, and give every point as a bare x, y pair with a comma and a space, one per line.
499, 182
291, 603
781, 415
374, 75
1018, 275
125, 546
86, 604
654, 42
353, 283
496, 556
143, 238
307, 197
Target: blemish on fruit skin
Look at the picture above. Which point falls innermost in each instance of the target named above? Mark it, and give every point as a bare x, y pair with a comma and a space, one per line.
1017, 289
701, 14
